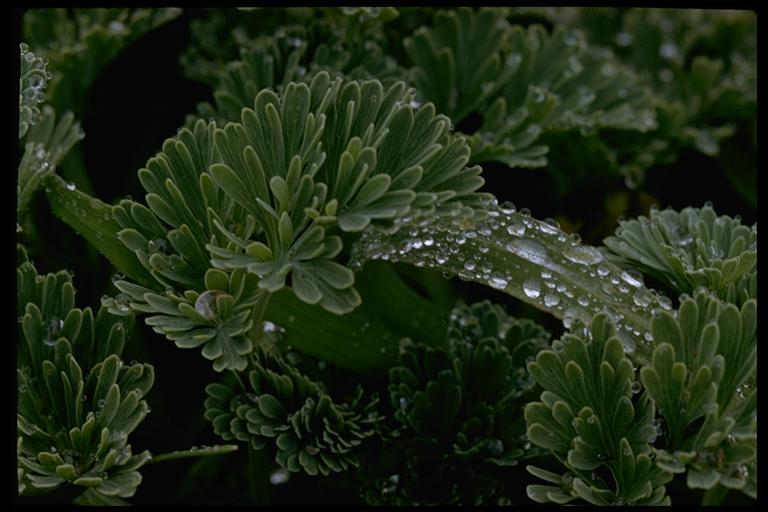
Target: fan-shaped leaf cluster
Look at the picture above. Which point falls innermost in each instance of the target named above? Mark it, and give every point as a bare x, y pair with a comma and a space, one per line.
457, 412
689, 249
283, 409
591, 421
702, 378
78, 402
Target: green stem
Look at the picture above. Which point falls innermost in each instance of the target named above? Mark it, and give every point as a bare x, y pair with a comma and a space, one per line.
197, 452
531, 260
258, 476
715, 496
357, 341
239, 380
386, 295
29, 179
258, 317
73, 169
93, 219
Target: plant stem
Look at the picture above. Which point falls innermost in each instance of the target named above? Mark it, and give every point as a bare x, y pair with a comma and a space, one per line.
258, 317
357, 341
197, 452
239, 380
258, 477
73, 169
715, 495
529, 259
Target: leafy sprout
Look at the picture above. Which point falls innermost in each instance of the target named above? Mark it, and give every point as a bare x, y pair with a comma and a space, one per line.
689, 249
78, 402
284, 409
273, 195
33, 80
524, 82
702, 379
457, 410
590, 420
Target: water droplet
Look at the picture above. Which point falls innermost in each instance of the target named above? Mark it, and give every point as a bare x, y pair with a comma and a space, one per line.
549, 226
497, 282
574, 65
641, 298
279, 476
157, 245
551, 300
204, 304
516, 228
53, 330
36, 81
583, 254
530, 250
513, 59
668, 50
117, 28
532, 288
121, 302
71, 186
665, 302
507, 208
495, 446
623, 39
636, 387
626, 339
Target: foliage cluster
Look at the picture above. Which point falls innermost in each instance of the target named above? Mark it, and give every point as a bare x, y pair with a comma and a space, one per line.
302, 227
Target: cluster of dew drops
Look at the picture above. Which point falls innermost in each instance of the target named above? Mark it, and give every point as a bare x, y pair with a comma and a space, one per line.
35, 76
507, 244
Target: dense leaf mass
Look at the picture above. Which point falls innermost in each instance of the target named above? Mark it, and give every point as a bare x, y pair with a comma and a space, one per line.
77, 401
457, 412
373, 313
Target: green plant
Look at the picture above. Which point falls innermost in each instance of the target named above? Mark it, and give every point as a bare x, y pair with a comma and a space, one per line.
301, 230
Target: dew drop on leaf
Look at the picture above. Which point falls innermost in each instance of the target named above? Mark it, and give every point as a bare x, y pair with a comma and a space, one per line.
532, 288
528, 249
583, 254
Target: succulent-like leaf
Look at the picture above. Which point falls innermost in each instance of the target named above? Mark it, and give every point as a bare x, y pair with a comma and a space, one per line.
703, 369
332, 156
530, 259
46, 142
589, 419
73, 425
689, 249
357, 37
523, 82
272, 62
457, 412
284, 409
218, 319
